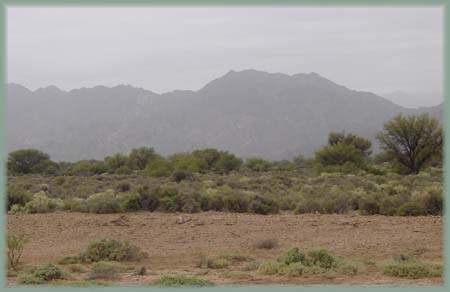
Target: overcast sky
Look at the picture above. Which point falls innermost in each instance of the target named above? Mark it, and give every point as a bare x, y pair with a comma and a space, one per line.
380, 49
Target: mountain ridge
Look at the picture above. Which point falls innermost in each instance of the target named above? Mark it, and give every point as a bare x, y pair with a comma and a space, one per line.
250, 113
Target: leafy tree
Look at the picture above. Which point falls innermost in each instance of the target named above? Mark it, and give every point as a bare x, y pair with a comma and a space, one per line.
185, 162
27, 161
158, 168
227, 162
411, 141
140, 157
257, 164
359, 143
116, 162
210, 155
344, 149
339, 154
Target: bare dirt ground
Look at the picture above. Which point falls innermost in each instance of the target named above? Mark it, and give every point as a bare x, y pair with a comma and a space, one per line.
174, 242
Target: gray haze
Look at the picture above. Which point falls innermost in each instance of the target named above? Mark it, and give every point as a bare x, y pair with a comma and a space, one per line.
381, 50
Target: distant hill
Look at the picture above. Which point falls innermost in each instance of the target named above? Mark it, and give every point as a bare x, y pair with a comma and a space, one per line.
250, 113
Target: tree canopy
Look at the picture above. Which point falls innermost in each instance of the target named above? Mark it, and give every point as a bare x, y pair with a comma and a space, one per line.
411, 141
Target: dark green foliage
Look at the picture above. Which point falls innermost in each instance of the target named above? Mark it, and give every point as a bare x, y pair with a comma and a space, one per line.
433, 201
227, 163
411, 141
139, 158
263, 205
411, 209
28, 161
159, 167
43, 273
257, 164
17, 196
339, 154
180, 175
369, 206
409, 267
293, 255
111, 250
179, 281
322, 258
117, 164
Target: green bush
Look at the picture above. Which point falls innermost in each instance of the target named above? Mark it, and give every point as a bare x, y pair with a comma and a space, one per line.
106, 202
293, 255
322, 258
178, 281
111, 250
411, 209
43, 273
369, 206
107, 270
433, 201
269, 268
263, 205
409, 268
41, 203
17, 196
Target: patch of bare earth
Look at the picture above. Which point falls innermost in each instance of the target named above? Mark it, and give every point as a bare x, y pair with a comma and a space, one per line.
174, 242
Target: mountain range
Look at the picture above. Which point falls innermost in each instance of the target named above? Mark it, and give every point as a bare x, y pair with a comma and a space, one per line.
249, 113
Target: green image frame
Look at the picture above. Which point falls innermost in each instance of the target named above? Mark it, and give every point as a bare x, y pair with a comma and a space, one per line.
445, 4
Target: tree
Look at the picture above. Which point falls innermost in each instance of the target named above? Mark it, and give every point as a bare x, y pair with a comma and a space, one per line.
27, 161
140, 157
227, 162
411, 141
344, 149
257, 164
210, 155
115, 163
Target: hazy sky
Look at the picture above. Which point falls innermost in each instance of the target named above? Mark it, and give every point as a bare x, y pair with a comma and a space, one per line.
380, 49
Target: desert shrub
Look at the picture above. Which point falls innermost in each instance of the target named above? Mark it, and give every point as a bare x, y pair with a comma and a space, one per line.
266, 243
409, 268
236, 203
105, 202
123, 186
389, 205
269, 268
263, 205
111, 250
107, 270
76, 205
41, 203
433, 200
251, 266
257, 164
293, 270
69, 260
141, 271
16, 196
16, 245
43, 273
145, 199
180, 175
76, 268
177, 281
293, 255
322, 258
213, 263
369, 206
159, 167
411, 209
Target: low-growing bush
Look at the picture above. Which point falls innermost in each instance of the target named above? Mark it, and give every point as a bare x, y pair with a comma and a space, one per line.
16, 245
42, 273
16, 196
106, 202
107, 270
409, 268
178, 281
41, 203
411, 209
269, 268
266, 243
111, 250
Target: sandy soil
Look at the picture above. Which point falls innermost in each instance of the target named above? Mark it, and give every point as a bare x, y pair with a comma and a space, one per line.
174, 242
